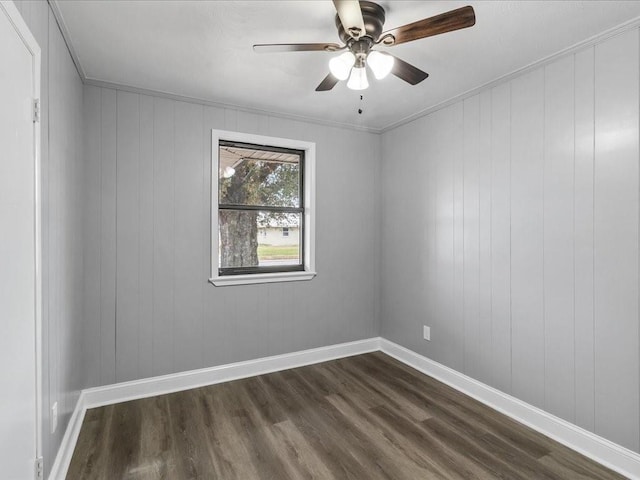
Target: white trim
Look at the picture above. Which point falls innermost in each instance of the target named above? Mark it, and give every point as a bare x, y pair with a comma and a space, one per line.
262, 278
603, 451
225, 105
66, 36
175, 382
68, 444
600, 37
30, 42
309, 208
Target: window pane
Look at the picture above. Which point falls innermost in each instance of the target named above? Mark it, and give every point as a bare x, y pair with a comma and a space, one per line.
255, 239
258, 177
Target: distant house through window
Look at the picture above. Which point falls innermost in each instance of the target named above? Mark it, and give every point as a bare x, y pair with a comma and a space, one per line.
263, 220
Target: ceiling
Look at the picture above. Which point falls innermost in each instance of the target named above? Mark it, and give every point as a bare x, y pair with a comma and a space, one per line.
203, 50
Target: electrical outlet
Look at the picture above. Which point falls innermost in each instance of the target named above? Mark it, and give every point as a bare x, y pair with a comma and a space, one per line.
54, 417
426, 333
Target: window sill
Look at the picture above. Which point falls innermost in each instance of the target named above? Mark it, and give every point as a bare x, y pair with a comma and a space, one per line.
261, 278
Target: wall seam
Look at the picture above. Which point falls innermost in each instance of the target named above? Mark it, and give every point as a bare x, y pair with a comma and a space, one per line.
115, 319
593, 216
491, 363
139, 218
100, 236
173, 241
153, 228
573, 213
638, 309
464, 322
202, 212
479, 322
544, 270
510, 249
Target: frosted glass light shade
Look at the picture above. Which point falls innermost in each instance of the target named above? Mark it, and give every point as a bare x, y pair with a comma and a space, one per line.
340, 66
358, 79
380, 63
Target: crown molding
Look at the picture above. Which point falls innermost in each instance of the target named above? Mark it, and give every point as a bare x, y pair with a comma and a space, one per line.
57, 14
589, 42
241, 108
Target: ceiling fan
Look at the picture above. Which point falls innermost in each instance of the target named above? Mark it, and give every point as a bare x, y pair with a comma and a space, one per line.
360, 29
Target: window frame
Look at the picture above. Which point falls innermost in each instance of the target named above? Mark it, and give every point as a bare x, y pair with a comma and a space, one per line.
308, 179
226, 271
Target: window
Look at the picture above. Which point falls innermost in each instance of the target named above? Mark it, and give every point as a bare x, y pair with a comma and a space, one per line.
262, 209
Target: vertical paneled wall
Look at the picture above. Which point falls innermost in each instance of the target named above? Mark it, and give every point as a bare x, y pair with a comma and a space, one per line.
149, 308
64, 371
510, 226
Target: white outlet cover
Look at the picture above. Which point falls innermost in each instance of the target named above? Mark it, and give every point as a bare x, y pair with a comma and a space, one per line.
426, 333
54, 417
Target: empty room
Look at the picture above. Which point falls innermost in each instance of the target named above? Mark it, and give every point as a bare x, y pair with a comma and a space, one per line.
316, 239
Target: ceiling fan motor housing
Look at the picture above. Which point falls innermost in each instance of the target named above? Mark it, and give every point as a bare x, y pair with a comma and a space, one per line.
373, 16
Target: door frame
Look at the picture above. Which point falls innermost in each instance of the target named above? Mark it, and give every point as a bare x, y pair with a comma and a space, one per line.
12, 13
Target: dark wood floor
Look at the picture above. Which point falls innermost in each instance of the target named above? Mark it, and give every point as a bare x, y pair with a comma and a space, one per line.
365, 417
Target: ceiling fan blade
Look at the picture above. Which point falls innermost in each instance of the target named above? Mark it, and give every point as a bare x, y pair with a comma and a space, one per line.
327, 84
296, 47
408, 72
350, 17
445, 22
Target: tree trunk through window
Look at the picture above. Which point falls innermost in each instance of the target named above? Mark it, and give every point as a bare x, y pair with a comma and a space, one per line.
238, 238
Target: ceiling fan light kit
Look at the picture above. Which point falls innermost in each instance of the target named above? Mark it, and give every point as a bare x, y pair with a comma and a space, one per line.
349, 66
341, 65
360, 26
358, 78
380, 63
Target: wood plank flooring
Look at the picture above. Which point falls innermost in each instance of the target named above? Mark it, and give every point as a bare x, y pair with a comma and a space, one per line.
365, 417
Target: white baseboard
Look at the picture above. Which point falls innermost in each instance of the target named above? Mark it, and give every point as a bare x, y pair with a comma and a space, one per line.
613, 456
597, 448
149, 387
68, 444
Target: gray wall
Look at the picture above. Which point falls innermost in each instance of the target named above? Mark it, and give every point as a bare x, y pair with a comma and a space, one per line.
64, 372
510, 226
149, 308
